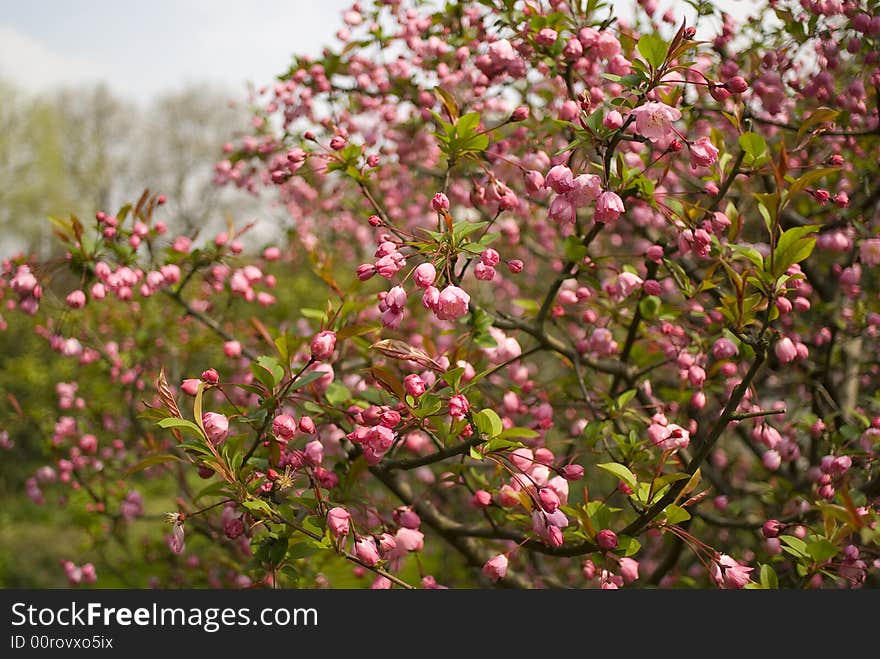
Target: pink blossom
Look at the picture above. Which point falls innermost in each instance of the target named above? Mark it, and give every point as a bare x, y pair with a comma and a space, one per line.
560, 179
608, 207
338, 521
629, 570
284, 427
409, 539
703, 153
323, 345
414, 385
496, 567
458, 406
724, 348
366, 552
424, 275
869, 252
76, 299
728, 573
452, 303
654, 120
606, 539
440, 202
562, 210
628, 282
785, 350
216, 426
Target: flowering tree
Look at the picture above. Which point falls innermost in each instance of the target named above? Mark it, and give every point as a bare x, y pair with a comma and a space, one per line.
567, 298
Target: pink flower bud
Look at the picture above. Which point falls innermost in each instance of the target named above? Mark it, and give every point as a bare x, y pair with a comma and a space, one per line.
406, 517
572, 472
613, 120
703, 153
365, 271
606, 539
414, 385
76, 299
338, 521
366, 552
560, 179
323, 345
216, 427
430, 298
490, 257
520, 114
484, 272
410, 539
737, 85
452, 303
284, 427
481, 499
458, 406
772, 528
515, 266
534, 181
440, 202
608, 207
549, 499
785, 350
629, 570
771, 459
190, 386
424, 275
210, 376
496, 567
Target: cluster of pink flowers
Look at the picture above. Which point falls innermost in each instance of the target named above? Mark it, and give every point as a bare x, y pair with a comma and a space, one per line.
573, 192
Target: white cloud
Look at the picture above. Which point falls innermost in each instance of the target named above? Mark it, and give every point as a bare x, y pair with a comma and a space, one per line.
30, 64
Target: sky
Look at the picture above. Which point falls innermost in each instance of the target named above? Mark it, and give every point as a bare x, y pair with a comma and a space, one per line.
141, 48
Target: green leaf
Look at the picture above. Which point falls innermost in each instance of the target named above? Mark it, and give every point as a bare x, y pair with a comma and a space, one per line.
754, 146
197, 408
488, 422
302, 550
468, 123
337, 394
453, 377
274, 368
306, 379
794, 246
624, 398
768, 577
649, 307
518, 433
257, 505
653, 49
794, 546
821, 550
498, 443
676, 514
805, 180
428, 404
621, 472
460, 230
174, 422
818, 116
627, 546
749, 253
